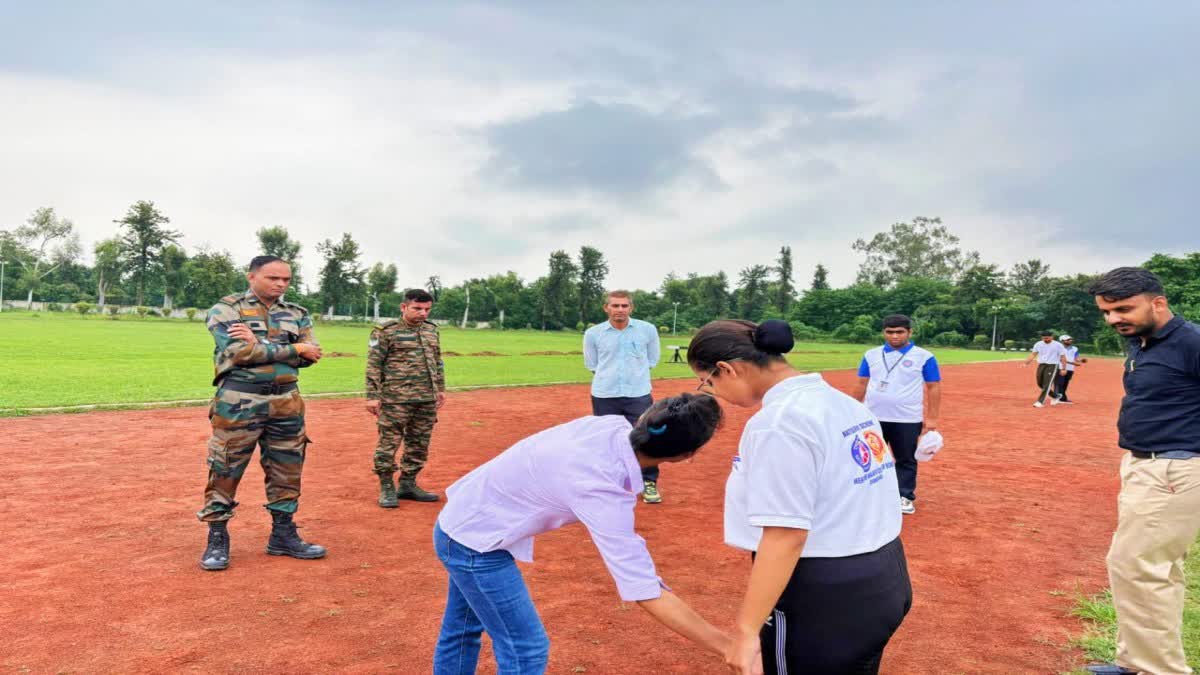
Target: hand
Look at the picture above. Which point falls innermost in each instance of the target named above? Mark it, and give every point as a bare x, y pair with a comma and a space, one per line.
744, 653
373, 407
441, 399
1062, 371
930, 425
242, 332
307, 351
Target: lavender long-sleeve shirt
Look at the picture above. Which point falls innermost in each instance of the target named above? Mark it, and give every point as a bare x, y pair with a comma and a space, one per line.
582, 471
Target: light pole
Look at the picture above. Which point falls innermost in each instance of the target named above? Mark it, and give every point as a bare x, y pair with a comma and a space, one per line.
995, 319
2, 264
675, 318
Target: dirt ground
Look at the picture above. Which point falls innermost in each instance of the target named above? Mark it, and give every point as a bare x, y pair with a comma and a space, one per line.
100, 542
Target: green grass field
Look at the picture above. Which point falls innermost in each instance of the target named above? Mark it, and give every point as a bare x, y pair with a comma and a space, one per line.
52, 360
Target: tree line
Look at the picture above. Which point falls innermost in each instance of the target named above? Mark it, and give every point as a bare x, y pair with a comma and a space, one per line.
916, 268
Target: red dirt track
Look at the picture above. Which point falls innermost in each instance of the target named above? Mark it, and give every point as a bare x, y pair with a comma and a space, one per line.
100, 542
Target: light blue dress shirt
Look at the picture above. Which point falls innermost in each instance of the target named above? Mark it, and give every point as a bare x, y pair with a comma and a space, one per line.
621, 359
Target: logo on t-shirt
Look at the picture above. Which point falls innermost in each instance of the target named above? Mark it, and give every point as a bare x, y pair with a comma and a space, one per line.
878, 447
861, 452
908, 363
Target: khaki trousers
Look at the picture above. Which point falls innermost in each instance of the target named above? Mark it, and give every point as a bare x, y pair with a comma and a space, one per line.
1158, 518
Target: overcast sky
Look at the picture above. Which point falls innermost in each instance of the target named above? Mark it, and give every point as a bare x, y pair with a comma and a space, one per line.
471, 139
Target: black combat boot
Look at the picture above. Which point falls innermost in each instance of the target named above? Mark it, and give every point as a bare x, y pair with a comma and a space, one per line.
408, 489
285, 541
387, 492
216, 554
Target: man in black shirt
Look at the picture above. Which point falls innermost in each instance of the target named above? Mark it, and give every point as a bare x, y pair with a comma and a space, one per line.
1158, 510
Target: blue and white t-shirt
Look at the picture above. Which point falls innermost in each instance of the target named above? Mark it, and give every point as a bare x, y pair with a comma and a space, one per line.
1072, 357
896, 392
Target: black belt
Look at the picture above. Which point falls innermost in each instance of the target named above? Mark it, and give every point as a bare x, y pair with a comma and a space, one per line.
270, 389
1170, 454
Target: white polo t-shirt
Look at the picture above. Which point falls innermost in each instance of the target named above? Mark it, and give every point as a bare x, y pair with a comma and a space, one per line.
813, 459
1049, 352
896, 392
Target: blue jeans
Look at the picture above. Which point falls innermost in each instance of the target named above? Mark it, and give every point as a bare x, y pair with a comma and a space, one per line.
487, 593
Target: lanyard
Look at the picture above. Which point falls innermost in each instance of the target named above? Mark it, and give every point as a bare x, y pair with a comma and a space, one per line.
883, 357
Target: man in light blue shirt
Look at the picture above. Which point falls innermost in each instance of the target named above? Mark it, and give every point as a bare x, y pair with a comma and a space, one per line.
621, 352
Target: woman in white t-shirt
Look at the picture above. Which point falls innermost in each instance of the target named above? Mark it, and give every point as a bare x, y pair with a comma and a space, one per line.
812, 495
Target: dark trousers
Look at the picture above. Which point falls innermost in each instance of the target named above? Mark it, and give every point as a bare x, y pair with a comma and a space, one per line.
836, 615
631, 408
1061, 383
1046, 373
903, 437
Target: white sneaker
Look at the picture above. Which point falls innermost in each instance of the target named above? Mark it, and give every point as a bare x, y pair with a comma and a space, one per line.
906, 506
1038, 404
1055, 401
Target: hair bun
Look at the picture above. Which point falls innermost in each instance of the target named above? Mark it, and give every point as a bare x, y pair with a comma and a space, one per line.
774, 337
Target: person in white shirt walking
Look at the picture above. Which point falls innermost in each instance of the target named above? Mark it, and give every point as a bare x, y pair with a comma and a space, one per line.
895, 381
621, 352
812, 495
1073, 360
1052, 359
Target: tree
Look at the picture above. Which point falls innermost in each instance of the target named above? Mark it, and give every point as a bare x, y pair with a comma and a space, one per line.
712, 297
381, 280
979, 282
143, 243
110, 265
556, 291
1026, 278
785, 288
752, 297
174, 274
922, 248
820, 280
592, 271
43, 244
275, 241
434, 286
341, 274
210, 275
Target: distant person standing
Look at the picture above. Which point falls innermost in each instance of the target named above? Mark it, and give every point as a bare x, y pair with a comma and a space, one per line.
1073, 360
1052, 359
406, 386
895, 381
261, 343
620, 352
1158, 509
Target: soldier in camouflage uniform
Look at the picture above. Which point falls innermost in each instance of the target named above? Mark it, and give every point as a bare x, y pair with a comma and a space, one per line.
406, 386
261, 342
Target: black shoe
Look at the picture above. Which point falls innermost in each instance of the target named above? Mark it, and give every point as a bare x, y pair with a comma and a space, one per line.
216, 554
408, 489
285, 541
1109, 669
387, 492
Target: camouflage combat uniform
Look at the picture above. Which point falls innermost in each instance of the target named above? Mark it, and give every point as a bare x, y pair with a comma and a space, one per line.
405, 373
257, 402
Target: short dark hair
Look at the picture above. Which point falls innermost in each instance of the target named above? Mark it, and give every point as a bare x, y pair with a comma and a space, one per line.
897, 321
676, 426
730, 339
1126, 282
258, 261
417, 295
1047, 333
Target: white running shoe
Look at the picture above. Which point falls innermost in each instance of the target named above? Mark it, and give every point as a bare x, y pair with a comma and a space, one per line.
1038, 404
1055, 400
906, 506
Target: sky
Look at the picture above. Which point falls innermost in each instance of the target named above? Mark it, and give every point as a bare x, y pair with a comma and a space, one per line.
467, 139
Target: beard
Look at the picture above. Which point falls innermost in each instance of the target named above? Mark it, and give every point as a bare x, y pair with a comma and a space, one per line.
1130, 329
